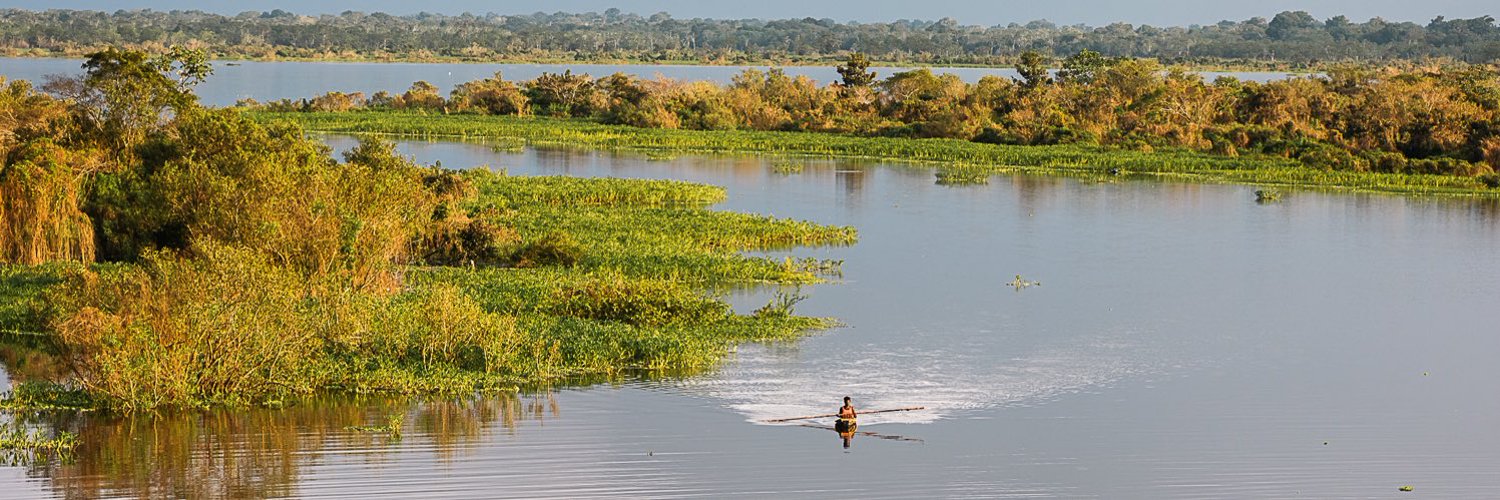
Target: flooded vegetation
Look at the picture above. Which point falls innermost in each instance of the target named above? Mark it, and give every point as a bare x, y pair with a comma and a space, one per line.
205, 259
263, 451
1109, 379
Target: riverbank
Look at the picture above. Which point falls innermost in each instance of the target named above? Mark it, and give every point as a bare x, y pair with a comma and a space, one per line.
944, 153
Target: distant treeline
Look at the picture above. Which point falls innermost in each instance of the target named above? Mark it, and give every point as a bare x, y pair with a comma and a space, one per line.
1423, 121
1294, 38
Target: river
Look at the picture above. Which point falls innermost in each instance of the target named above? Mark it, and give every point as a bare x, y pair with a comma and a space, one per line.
1185, 342
271, 80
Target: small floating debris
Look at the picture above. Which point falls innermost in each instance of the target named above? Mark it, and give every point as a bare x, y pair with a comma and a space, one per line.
392, 426
786, 167
508, 145
1267, 195
1405, 488
962, 176
1020, 283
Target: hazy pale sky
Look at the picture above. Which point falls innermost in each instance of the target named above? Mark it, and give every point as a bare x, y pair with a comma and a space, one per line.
1093, 12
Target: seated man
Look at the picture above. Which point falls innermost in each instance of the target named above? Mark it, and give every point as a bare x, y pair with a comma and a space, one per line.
847, 411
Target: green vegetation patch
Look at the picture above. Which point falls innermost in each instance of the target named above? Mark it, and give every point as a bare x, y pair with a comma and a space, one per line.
163, 254
973, 159
231, 327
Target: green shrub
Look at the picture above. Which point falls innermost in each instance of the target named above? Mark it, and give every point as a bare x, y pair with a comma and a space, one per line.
554, 249
1445, 166
440, 325
224, 178
1491, 181
228, 325
612, 297
467, 240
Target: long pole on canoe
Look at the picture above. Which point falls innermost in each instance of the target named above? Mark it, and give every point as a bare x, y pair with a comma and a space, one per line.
775, 420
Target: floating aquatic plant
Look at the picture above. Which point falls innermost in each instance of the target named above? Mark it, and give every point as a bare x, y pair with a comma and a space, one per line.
1020, 283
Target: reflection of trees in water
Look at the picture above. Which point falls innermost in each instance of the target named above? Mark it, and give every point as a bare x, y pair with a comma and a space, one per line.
24, 360
1034, 191
448, 423
261, 452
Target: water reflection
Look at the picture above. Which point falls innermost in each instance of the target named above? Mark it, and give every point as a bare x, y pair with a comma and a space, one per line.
263, 452
851, 182
848, 429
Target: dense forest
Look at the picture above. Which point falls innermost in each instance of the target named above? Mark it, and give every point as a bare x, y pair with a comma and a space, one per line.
1288, 38
1441, 120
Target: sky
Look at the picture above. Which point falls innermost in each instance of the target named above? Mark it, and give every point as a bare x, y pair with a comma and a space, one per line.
968, 12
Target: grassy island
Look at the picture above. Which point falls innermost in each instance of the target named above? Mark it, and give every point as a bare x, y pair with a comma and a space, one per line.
945, 153
160, 254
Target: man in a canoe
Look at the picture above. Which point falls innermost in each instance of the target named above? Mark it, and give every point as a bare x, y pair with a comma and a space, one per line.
847, 411
845, 424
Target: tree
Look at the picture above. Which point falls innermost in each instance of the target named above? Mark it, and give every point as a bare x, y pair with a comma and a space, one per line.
421, 95
855, 72
563, 94
493, 96
1287, 24
125, 93
1033, 70
1083, 67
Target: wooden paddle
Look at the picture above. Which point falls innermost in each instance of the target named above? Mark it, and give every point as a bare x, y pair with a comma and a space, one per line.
775, 420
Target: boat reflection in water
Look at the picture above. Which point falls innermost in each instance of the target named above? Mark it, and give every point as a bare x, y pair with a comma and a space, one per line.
847, 429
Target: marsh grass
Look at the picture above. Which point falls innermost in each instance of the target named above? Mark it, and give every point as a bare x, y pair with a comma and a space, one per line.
45, 396
1165, 162
21, 288
37, 440
20, 444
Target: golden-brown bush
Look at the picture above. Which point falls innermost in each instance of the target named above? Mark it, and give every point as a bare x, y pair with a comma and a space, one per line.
227, 324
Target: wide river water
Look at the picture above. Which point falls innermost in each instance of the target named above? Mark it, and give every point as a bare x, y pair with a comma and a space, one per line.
270, 80
1185, 342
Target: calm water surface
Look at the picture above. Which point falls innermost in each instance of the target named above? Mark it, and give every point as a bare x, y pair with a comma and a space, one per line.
265, 81
1185, 342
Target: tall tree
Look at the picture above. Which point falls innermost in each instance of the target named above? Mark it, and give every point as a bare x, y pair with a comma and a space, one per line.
855, 71
1033, 69
1082, 67
124, 93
